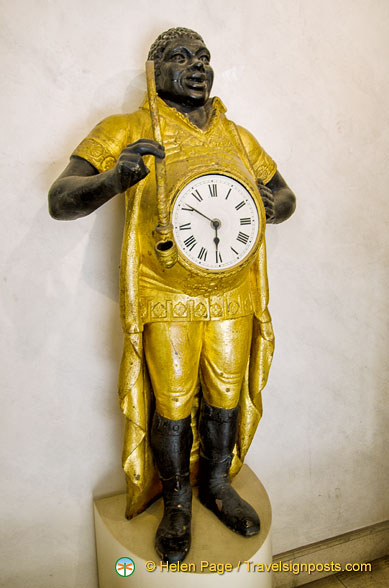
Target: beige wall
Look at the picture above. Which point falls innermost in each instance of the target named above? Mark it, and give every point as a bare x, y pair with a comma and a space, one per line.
309, 79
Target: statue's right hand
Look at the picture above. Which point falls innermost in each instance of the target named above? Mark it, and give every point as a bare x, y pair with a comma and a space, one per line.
130, 167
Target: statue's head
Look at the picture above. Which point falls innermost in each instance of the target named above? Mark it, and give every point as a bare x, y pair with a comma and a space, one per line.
182, 67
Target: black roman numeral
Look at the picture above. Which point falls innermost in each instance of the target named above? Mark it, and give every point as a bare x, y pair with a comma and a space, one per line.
197, 195
228, 193
242, 237
185, 227
245, 221
218, 257
236, 253
213, 190
202, 254
238, 206
190, 242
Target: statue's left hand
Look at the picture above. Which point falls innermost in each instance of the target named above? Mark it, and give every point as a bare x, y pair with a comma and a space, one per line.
268, 201
278, 199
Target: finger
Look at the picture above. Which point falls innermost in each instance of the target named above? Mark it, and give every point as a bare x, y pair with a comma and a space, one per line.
268, 201
147, 142
138, 169
264, 190
128, 164
268, 205
129, 158
267, 197
146, 147
131, 170
149, 149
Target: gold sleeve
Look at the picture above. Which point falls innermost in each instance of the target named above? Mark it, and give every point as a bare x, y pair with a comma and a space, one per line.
105, 142
264, 166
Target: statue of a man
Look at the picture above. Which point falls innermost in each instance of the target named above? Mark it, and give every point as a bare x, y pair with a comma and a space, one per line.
198, 340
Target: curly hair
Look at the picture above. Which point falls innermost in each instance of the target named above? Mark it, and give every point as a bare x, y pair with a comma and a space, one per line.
160, 43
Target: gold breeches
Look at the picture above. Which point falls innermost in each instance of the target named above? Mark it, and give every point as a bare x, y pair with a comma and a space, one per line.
178, 353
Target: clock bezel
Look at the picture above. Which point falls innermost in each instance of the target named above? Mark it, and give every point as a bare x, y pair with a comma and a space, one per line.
254, 193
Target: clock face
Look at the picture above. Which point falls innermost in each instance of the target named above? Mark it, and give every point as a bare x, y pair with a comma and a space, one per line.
215, 222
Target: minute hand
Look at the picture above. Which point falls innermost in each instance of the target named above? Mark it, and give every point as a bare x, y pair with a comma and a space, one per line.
198, 212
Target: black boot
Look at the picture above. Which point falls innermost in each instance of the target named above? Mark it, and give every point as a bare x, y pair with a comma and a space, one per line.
218, 428
171, 442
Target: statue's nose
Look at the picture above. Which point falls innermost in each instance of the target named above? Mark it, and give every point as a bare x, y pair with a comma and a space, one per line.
198, 64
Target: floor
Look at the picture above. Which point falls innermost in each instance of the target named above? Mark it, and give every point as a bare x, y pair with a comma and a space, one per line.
377, 578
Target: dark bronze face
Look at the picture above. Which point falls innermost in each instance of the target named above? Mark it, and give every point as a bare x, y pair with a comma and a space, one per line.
184, 74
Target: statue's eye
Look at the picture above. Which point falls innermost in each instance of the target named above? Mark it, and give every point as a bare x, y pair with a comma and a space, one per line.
178, 58
204, 58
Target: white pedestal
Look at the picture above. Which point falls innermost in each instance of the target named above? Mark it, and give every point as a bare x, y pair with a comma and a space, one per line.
212, 542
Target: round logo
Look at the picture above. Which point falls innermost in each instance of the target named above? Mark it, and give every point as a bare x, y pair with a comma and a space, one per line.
125, 566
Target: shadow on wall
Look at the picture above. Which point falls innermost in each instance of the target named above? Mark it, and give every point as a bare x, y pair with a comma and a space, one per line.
57, 279
49, 266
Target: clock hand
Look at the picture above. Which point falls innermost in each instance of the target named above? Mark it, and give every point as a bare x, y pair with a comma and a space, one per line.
215, 224
198, 212
216, 240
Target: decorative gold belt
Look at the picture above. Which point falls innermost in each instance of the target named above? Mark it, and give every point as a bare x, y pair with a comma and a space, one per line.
180, 307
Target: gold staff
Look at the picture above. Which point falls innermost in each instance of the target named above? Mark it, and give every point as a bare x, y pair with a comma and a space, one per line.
166, 248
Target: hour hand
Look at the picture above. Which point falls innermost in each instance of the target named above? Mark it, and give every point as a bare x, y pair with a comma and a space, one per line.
216, 240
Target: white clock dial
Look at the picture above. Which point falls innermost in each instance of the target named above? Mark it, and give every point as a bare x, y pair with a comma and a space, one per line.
215, 222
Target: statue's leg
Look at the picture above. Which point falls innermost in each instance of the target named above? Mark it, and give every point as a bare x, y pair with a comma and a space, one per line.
172, 353
223, 363
171, 442
218, 429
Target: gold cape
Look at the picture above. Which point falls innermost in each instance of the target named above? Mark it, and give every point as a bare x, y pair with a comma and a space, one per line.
102, 148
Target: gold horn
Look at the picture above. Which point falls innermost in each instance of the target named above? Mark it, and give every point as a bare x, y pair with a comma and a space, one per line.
165, 247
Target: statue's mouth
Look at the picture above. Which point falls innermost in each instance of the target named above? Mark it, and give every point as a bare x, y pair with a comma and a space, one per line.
196, 81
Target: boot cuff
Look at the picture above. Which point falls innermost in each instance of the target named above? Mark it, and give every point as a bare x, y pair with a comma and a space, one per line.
170, 427
219, 415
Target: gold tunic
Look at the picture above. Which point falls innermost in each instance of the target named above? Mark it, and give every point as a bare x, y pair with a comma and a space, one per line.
151, 293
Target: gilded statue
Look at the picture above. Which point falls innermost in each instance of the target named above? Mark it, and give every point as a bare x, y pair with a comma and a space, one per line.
198, 338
